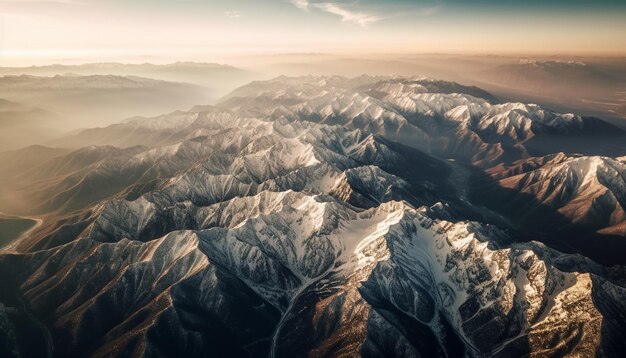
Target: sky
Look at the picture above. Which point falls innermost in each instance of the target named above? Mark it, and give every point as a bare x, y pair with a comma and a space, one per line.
36, 31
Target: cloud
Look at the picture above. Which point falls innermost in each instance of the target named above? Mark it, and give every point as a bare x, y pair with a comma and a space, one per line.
359, 18
300, 4
233, 14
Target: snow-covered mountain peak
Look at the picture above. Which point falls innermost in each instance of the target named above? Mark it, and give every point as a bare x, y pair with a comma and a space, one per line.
323, 215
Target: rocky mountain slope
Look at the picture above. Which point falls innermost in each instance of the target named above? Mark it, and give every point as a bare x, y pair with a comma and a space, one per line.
320, 216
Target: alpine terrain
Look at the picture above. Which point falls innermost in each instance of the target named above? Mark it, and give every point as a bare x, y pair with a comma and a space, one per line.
323, 216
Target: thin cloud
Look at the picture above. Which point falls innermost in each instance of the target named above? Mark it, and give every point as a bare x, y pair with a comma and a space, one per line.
359, 18
300, 4
234, 14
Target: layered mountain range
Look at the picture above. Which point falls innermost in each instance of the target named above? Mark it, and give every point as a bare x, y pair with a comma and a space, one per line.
37, 110
324, 216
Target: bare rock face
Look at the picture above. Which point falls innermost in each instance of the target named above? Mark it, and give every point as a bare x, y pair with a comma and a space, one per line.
587, 190
316, 217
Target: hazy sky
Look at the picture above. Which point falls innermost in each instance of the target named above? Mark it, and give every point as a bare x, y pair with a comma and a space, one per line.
34, 31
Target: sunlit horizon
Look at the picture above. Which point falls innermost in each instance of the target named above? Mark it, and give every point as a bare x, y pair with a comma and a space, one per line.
41, 32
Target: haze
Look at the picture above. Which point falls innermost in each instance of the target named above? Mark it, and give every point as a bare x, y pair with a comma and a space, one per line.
71, 70
295, 178
39, 32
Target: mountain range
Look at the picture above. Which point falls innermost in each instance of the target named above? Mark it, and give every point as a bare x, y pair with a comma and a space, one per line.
39, 109
211, 75
323, 216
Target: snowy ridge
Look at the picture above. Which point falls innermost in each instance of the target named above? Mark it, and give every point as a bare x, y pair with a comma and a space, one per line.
316, 216
286, 246
590, 190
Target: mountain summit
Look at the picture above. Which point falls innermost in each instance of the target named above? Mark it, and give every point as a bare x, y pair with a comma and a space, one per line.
324, 216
